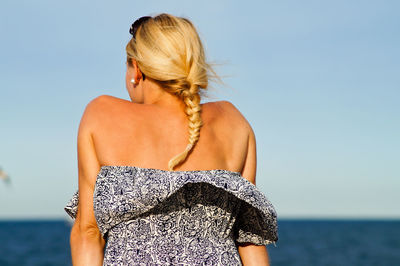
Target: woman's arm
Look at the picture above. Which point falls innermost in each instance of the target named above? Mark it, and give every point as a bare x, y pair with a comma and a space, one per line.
251, 254
86, 242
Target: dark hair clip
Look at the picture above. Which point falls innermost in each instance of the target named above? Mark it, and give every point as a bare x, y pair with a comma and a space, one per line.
135, 25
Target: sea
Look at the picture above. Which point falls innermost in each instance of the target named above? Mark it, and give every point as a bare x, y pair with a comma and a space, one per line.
301, 242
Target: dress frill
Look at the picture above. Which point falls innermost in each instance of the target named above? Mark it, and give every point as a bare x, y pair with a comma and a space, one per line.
256, 222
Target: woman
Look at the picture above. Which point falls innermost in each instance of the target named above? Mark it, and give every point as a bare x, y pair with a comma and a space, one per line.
129, 209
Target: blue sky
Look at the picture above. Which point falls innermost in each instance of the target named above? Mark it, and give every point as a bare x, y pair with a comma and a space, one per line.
318, 81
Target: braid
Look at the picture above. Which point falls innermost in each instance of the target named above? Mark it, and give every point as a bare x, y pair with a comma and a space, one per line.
191, 98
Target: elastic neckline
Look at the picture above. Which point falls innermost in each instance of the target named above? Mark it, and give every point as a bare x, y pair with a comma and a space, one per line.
167, 171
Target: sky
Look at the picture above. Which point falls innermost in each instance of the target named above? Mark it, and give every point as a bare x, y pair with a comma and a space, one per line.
318, 82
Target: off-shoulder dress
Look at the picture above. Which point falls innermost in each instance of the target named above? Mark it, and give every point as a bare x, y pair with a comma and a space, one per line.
150, 216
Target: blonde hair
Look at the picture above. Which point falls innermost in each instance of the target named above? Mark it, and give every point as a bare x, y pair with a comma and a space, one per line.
169, 51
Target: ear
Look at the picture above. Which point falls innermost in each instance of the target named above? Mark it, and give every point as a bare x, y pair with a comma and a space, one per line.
137, 73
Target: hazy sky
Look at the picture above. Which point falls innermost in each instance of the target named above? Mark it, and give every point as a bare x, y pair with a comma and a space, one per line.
318, 81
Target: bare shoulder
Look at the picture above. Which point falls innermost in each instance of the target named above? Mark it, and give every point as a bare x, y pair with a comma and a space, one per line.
100, 109
104, 101
97, 104
230, 111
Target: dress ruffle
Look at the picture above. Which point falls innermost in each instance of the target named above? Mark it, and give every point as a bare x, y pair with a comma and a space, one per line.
134, 191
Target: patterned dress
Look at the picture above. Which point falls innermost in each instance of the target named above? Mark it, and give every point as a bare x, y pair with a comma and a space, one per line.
151, 216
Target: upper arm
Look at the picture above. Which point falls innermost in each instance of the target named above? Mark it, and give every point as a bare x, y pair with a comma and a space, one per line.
250, 165
88, 168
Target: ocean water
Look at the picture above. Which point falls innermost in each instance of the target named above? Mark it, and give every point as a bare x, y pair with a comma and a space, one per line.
335, 242
301, 242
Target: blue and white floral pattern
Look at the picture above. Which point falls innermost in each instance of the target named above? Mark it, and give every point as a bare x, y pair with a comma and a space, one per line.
158, 217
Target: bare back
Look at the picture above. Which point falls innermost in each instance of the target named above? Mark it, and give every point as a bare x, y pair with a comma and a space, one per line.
148, 136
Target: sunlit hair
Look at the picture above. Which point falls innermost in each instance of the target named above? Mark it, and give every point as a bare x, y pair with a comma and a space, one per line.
169, 51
